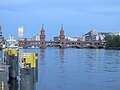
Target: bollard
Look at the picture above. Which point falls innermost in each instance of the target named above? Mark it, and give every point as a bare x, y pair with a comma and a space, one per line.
29, 71
13, 84
2, 85
13, 62
30, 61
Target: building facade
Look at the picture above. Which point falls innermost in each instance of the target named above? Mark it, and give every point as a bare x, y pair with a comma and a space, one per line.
36, 37
94, 35
56, 39
114, 33
68, 38
20, 33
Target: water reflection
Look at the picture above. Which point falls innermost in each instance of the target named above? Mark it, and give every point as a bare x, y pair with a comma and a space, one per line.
91, 60
112, 61
61, 69
42, 56
102, 60
42, 53
61, 55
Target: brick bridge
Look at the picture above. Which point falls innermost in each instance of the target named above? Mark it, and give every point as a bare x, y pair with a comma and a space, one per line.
62, 43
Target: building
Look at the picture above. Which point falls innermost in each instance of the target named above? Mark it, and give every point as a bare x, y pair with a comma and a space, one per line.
36, 37
56, 38
11, 42
2, 40
20, 33
68, 38
94, 36
115, 33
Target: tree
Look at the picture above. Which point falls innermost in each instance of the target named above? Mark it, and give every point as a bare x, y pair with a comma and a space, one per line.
112, 41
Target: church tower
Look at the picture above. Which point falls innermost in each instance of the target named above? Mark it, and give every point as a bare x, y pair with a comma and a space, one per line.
42, 38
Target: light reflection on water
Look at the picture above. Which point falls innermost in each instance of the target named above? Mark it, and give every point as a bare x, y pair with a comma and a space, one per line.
78, 69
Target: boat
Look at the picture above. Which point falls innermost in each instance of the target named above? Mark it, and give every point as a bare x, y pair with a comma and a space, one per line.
11, 43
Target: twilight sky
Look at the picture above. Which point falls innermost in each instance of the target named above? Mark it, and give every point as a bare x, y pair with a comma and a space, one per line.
77, 16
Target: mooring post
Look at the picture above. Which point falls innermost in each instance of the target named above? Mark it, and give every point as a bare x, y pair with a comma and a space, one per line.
29, 71
13, 62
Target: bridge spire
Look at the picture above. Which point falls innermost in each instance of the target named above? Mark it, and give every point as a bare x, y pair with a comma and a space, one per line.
0, 28
42, 26
42, 38
62, 27
62, 36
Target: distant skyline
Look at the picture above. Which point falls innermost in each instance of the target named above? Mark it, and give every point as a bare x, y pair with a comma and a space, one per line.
77, 16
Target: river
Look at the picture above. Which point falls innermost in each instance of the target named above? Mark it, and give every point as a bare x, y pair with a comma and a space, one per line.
77, 69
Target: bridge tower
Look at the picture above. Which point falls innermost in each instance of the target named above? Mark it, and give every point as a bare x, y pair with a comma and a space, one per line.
62, 37
42, 38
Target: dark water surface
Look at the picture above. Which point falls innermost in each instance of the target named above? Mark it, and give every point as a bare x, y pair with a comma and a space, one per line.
78, 69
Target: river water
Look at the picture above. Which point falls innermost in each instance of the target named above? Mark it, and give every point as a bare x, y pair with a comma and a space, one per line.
77, 69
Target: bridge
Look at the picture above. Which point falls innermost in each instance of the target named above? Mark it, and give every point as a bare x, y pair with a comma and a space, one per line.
65, 44
74, 44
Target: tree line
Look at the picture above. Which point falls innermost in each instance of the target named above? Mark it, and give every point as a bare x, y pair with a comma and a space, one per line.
112, 42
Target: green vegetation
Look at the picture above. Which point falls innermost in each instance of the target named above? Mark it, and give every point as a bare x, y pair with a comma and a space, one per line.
112, 42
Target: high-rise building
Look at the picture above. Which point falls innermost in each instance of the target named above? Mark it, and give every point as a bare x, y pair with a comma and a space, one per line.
20, 33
